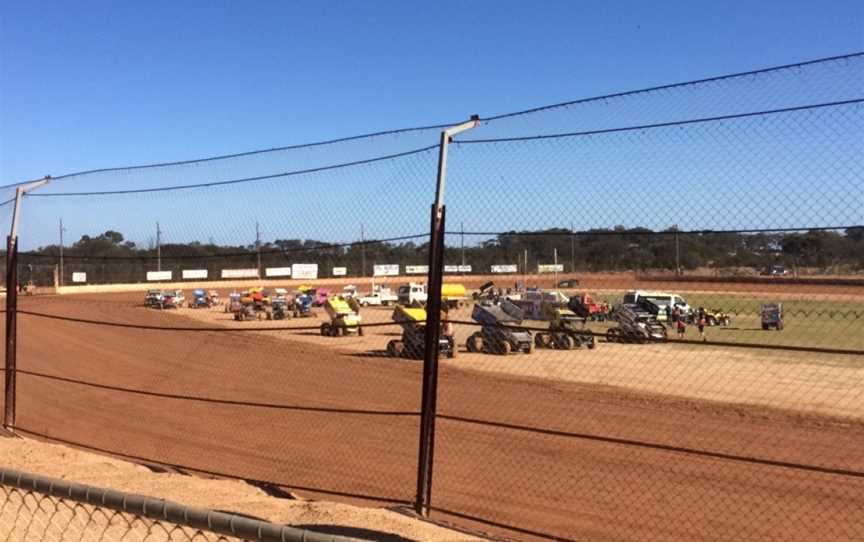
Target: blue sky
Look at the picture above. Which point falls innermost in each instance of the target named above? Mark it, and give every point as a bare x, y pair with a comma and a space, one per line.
105, 84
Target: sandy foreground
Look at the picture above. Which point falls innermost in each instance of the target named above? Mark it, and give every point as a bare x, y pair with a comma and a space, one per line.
67, 463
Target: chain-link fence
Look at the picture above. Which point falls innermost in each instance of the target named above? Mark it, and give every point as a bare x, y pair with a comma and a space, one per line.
39, 508
675, 275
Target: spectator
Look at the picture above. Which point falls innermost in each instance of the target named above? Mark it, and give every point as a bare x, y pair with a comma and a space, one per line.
702, 323
668, 313
447, 325
682, 328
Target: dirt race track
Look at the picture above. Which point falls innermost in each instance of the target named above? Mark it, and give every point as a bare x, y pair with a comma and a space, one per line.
661, 442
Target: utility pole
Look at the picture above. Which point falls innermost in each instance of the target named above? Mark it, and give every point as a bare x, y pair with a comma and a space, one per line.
572, 248
462, 229
62, 229
363, 249
555, 261
525, 268
677, 253
158, 248
258, 246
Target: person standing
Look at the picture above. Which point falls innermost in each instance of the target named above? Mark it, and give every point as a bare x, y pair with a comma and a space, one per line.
668, 313
681, 327
701, 324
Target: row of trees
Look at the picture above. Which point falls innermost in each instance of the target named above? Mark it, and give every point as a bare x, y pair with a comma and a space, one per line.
109, 257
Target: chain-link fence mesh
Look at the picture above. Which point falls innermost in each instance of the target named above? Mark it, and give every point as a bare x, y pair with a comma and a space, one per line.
679, 270
25, 515
46, 509
609, 419
208, 374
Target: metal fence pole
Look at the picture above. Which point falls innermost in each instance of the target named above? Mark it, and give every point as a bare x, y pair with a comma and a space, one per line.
11, 329
12, 298
430, 364
433, 327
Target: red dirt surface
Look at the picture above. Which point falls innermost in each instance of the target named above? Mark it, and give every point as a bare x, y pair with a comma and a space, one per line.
548, 457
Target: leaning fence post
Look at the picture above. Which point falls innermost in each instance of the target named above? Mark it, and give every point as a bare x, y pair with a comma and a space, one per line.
11, 330
12, 300
428, 407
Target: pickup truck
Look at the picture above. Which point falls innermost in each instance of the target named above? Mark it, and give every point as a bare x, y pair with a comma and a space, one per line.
381, 297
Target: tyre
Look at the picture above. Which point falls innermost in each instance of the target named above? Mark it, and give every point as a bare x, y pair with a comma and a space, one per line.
392, 349
326, 329
765, 327
541, 340
591, 343
474, 343
452, 345
612, 335
505, 348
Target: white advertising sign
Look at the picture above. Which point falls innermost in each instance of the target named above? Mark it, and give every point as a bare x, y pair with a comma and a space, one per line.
79, 276
340, 271
550, 268
304, 271
505, 268
158, 275
464, 269
251, 273
416, 269
278, 271
451, 268
385, 270
194, 273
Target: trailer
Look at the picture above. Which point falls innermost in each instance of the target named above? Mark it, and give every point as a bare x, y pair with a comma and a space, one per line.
500, 332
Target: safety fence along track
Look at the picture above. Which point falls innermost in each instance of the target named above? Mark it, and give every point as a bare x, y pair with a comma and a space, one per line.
40, 508
637, 316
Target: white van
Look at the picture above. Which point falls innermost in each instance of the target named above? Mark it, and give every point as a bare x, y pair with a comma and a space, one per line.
661, 299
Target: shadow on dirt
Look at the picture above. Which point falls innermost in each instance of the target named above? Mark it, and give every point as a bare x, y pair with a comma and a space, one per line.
355, 532
382, 354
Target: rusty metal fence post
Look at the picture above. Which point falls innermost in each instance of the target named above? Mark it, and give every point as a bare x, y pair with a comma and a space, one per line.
11, 330
433, 326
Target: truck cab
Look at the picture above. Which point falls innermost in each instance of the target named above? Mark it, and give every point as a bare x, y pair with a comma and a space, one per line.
412, 293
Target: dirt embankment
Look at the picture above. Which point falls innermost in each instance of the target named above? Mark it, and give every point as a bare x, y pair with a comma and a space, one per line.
235, 496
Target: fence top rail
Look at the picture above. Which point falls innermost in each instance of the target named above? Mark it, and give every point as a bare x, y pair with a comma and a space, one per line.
222, 523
